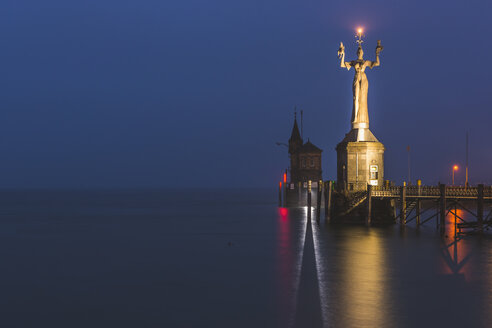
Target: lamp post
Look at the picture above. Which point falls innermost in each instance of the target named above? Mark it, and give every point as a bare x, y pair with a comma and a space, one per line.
466, 167
455, 168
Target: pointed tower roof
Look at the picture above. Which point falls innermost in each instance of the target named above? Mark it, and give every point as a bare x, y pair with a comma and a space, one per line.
295, 135
295, 140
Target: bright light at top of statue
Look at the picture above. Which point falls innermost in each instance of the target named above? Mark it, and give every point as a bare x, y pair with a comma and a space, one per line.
359, 30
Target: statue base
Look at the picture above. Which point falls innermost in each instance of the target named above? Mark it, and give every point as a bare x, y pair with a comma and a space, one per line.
360, 161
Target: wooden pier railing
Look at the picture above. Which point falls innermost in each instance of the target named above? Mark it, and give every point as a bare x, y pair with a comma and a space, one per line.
431, 192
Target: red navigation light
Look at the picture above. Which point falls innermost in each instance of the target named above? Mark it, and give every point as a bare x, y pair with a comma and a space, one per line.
283, 212
285, 177
280, 184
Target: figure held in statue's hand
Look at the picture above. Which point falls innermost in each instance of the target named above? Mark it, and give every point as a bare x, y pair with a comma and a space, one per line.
341, 51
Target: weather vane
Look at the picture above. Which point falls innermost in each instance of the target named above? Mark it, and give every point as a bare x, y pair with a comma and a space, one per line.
359, 36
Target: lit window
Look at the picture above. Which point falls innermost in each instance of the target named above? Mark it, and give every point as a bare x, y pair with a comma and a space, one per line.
374, 172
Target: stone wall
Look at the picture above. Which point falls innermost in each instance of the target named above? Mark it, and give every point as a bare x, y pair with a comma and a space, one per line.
360, 163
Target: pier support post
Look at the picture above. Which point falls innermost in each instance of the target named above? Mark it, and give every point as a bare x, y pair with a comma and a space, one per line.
418, 204
369, 205
455, 218
328, 201
284, 193
437, 213
318, 200
325, 199
299, 193
480, 207
442, 208
309, 199
393, 205
403, 204
280, 194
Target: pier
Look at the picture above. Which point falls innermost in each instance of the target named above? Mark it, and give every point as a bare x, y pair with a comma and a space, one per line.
419, 203
443, 199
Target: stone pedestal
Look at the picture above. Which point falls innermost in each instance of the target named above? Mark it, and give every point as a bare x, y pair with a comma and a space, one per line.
360, 161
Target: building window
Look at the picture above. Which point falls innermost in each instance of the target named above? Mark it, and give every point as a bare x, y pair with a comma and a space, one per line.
312, 162
373, 169
303, 162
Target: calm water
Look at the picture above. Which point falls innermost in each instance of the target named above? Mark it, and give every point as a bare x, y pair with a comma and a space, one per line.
226, 259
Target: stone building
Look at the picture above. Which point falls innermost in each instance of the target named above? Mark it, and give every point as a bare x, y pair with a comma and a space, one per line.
305, 158
360, 161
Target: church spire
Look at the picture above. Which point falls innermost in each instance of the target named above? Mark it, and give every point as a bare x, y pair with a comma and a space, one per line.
295, 140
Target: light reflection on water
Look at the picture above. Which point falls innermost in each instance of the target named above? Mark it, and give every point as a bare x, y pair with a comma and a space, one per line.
220, 258
364, 278
290, 255
393, 277
455, 254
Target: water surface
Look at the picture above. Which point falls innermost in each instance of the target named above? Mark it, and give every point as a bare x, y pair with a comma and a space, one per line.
226, 258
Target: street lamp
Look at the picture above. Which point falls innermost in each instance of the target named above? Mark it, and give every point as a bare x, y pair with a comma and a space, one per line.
455, 168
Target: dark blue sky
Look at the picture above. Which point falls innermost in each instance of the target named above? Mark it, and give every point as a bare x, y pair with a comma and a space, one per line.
196, 93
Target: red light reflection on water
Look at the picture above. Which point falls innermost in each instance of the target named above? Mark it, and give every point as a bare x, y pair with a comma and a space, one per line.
284, 267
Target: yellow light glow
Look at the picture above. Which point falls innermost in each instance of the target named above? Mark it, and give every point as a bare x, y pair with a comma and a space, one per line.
455, 167
359, 30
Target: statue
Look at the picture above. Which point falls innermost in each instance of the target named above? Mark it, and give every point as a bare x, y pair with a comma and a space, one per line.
360, 116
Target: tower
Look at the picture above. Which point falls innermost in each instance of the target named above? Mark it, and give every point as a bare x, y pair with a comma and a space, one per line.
305, 158
295, 143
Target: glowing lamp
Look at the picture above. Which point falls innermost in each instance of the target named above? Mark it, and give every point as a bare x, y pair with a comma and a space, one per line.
359, 35
285, 177
455, 168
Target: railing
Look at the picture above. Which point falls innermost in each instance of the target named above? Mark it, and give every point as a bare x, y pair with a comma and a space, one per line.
431, 191
381, 191
357, 198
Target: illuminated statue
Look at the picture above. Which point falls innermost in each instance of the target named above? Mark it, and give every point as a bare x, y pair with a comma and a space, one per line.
360, 117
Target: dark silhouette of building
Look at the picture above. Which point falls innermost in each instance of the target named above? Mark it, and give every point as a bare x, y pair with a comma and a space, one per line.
305, 158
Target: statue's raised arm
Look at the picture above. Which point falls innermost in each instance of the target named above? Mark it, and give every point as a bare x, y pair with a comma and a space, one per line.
375, 63
341, 55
